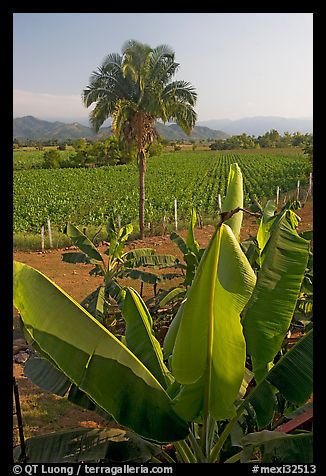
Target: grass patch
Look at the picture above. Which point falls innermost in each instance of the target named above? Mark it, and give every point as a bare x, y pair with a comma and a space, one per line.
27, 241
39, 410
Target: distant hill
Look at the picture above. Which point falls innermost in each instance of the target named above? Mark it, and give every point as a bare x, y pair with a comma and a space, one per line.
174, 132
259, 125
29, 127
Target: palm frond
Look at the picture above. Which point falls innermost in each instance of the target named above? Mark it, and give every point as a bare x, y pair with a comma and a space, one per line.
111, 62
180, 91
102, 111
162, 65
184, 115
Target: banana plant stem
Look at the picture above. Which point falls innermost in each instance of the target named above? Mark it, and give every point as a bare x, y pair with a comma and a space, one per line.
218, 446
196, 448
234, 458
184, 451
167, 457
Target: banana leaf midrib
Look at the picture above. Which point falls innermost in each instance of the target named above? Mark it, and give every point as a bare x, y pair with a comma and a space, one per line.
210, 337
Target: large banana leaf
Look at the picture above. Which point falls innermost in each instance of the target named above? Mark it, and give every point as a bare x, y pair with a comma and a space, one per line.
268, 314
278, 447
42, 373
92, 358
84, 445
292, 376
83, 243
264, 402
139, 335
234, 199
209, 345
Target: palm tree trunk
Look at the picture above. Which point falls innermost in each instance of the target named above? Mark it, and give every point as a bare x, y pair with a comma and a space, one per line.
142, 171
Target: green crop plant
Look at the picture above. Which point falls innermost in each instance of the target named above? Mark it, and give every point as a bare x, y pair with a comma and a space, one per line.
91, 196
119, 264
195, 392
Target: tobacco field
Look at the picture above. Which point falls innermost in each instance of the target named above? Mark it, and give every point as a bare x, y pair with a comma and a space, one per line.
91, 196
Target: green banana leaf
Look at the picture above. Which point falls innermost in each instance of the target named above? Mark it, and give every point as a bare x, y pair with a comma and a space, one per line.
145, 276
191, 242
94, 359
75, 258
264, 403
170, 336
292, 376
113, 445
155, 261
172, 295
234, 199
209, 344
277, 447
83, 243
179, 241
140, 338
45, 375
268, 314
136, 253
97, 302
117, 241
263, 233
192, 263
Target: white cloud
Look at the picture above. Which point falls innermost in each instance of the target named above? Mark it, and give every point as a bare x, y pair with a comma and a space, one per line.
43, 105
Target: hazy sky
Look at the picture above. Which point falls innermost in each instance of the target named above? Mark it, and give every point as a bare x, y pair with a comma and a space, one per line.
241, 64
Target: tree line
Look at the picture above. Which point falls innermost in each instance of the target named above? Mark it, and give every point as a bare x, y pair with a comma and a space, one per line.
271, 138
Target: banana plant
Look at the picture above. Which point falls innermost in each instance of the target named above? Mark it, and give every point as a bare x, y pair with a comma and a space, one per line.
120, 264
130, 381
268, 315
192, 253
186, 393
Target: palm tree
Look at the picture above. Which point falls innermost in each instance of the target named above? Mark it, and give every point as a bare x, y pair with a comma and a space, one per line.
136, 89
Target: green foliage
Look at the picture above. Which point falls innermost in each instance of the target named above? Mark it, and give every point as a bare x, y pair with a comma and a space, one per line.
156, 148
91, 196
51, 159
271, 138
112, 445
308, 150
197, 395
119, 264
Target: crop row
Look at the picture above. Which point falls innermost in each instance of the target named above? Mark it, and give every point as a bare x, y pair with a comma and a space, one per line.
90, 196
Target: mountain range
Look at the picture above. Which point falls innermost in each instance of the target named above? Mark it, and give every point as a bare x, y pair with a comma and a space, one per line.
259, 125
29, 127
